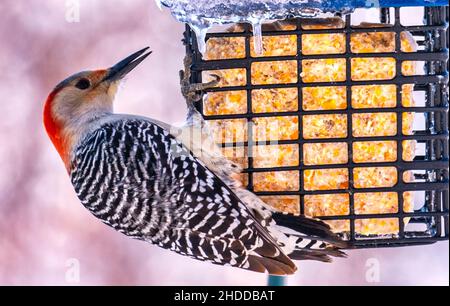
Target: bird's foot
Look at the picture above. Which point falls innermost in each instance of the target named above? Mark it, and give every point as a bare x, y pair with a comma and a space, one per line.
193, 92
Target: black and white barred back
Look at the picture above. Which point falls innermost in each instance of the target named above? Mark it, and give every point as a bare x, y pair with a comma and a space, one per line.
137, 178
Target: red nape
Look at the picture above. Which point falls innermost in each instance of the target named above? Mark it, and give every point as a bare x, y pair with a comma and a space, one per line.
54, 128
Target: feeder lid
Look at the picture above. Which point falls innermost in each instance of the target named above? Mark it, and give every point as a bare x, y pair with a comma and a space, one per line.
385, 3
334, 5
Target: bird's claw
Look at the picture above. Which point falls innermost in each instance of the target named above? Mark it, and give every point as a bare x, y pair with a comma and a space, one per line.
193, 92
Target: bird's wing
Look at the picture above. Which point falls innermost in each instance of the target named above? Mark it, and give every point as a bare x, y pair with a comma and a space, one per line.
212, 208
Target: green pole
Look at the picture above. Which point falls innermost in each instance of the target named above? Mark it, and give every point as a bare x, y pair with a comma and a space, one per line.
276, 281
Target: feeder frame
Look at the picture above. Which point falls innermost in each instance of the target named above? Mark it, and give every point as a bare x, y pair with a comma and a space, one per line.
432, 37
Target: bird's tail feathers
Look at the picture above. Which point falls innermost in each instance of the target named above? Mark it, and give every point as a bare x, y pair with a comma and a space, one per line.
304, 238
269, 265
325, 255
310, 227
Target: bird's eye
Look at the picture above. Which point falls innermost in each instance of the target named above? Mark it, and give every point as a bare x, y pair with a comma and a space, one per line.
83, 84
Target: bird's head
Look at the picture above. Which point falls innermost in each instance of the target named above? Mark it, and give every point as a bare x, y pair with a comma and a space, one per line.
81, 99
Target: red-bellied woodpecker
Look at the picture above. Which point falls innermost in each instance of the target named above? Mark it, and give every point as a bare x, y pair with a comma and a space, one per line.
149, 181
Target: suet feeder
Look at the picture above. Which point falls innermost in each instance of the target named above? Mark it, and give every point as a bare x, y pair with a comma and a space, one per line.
339, 118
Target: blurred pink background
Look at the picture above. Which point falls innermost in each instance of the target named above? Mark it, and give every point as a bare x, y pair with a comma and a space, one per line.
45, 233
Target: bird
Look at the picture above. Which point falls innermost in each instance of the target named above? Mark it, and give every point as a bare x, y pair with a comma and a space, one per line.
152, 182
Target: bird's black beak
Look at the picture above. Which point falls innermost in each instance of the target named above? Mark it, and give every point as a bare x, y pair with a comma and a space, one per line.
122, 68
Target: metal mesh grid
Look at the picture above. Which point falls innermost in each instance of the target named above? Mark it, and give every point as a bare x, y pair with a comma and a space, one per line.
429, 221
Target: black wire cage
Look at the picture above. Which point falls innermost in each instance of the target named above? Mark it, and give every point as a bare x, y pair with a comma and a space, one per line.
428, 222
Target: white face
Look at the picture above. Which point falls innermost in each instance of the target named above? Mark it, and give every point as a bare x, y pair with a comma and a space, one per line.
84, 95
